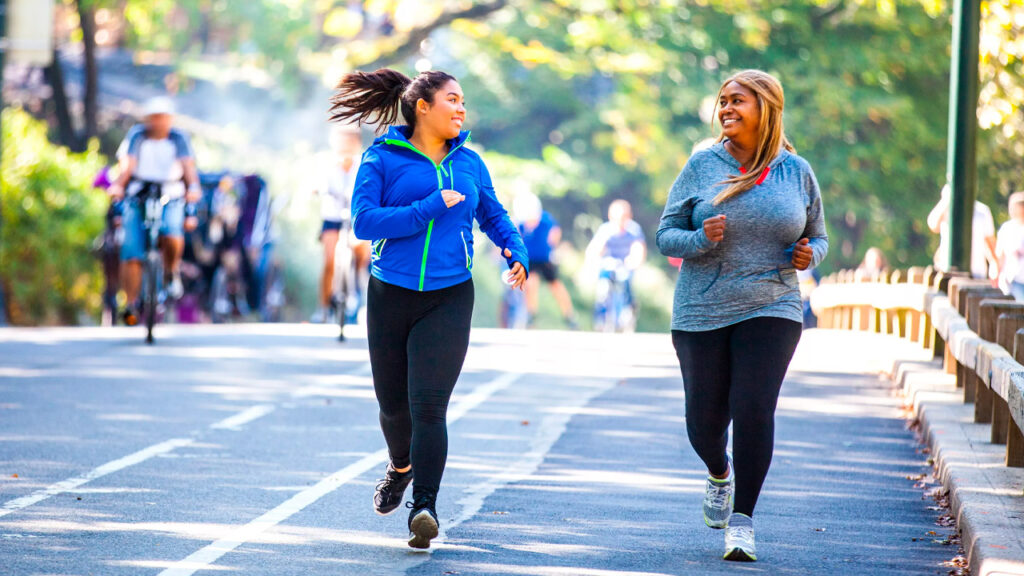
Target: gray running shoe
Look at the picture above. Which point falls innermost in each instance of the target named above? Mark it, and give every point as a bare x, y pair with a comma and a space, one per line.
718, 499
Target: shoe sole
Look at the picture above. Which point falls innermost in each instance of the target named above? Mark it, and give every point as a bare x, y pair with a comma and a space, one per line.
739, 555
382, 513
715, 526
422, 530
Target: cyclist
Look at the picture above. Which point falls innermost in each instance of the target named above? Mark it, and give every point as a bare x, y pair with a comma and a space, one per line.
335, 187
541, 234
620, 249
155, 151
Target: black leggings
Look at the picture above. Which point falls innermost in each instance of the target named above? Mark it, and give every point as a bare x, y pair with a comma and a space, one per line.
735, 373
418, 342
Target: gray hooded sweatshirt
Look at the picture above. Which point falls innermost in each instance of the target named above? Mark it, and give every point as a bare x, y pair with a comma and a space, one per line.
749, 274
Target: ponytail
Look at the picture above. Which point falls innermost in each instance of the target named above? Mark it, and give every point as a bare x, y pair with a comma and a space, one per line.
378, 97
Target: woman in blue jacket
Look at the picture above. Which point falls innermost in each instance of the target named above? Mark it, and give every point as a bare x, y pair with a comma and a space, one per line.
417, 193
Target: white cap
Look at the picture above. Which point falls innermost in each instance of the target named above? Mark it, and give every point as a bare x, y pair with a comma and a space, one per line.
526, 206
158, 105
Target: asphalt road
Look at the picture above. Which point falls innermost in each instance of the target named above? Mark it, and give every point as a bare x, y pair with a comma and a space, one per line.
254, 449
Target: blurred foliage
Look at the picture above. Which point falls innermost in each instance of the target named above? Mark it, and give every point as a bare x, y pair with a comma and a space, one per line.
584, 101
612, 94
50, 217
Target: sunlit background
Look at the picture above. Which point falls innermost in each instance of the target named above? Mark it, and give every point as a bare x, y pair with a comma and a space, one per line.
580, 101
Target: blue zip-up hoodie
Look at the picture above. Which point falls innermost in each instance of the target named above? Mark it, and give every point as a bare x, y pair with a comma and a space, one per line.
418, 242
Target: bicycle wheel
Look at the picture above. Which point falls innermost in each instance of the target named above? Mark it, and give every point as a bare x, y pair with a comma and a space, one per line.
150, 303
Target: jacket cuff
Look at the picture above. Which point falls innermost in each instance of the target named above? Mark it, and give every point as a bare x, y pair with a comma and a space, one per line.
434, 205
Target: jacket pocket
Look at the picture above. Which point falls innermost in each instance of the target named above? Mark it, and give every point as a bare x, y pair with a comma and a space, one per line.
787, 277
378, 249
714, 278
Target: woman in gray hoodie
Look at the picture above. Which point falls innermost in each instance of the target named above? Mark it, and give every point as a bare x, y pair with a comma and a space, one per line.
744, 215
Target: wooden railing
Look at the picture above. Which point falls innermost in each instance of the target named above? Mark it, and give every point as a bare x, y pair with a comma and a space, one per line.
977, 330
894, 302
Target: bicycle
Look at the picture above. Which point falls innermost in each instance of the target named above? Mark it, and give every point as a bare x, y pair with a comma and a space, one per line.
151, 200
615, 309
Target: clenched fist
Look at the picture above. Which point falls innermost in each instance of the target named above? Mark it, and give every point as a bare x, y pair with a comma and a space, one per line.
714, 228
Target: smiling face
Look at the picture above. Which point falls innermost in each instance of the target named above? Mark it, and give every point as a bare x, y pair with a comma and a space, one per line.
446, 114
739, 113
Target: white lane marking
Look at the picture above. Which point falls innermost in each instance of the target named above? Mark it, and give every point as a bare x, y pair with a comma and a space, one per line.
244, 417
550, 431
99, 472
203, 558
230, 423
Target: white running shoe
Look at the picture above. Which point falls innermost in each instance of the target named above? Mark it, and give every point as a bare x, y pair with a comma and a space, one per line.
318, 317
718, 499
739, 539
175, 290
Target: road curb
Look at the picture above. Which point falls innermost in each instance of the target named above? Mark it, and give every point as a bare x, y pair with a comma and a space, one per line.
986, 497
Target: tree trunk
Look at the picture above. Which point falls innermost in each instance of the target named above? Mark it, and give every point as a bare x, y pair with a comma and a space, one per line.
65, 129
87, 17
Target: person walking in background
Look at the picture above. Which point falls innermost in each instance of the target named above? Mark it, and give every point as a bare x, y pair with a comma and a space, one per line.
334, 188
744, 215
872, 267
983, 237
542, 234
155, 151
1010, 249
418, 191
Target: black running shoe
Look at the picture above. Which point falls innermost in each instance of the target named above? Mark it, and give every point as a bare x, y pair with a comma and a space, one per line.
422, 522
390, 491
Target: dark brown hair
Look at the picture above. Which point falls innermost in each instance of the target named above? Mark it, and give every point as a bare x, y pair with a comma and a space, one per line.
378, 97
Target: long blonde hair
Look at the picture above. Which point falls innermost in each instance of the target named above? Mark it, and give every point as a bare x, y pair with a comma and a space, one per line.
771, 138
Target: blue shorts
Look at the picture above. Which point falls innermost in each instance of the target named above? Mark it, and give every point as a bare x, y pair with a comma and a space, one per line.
134, 245
329, 226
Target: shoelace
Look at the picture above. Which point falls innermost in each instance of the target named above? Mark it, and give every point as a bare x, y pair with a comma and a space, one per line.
743, 533
420, 503
386, 482
719, 494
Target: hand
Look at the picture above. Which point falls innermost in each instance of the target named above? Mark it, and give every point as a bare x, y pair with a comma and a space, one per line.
116, 192
451, 197
714, 228
518, 272
802, 254
191, 223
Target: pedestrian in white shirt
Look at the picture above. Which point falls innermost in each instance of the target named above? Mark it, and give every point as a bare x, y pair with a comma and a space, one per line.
1010, 249
983, 238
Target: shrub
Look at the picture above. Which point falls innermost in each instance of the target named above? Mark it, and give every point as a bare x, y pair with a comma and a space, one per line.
49, 216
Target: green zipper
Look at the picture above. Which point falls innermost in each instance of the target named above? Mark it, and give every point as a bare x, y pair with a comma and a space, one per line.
440, 185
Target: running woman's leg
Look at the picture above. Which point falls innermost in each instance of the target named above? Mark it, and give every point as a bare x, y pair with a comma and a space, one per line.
329, 238
704, 361
437, 349
388, 320
761, 351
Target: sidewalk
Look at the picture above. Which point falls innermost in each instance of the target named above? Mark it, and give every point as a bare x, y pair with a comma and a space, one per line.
986, 497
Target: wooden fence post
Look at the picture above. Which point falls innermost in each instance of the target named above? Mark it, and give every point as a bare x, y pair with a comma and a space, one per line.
1007, 326
1014, 437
